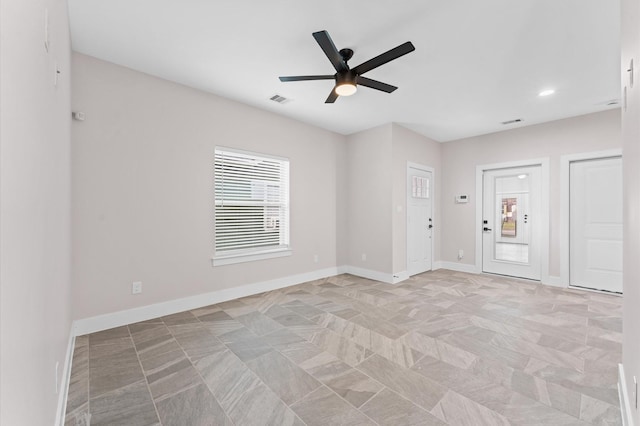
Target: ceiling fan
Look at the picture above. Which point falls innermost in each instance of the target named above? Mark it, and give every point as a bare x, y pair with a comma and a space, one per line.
347, 79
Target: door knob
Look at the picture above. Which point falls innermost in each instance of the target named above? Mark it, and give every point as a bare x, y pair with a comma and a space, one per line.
486, 229
430, 226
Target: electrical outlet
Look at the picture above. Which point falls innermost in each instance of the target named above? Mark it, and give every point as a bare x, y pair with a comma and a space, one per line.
460, 254
136, 287
364, 256
315, 258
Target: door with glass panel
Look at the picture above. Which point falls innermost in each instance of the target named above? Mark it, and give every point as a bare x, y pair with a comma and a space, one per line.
511, 222
419, 220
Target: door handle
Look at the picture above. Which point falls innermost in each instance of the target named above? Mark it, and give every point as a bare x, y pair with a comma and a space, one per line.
486, 229
430, 226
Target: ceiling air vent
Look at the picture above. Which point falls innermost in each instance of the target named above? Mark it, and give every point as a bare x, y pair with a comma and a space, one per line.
517, 120
279, 99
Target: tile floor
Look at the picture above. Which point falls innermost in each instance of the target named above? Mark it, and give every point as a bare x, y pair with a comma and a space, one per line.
440, 348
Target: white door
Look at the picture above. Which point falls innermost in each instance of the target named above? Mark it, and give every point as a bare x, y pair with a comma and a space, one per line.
511, 222
595, 217
419, 220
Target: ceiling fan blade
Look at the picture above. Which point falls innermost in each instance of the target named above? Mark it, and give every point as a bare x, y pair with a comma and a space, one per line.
325, 42
387, 56
307, 77
332, 97
375, 84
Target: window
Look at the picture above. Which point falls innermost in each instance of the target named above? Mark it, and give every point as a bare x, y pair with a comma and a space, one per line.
251, 206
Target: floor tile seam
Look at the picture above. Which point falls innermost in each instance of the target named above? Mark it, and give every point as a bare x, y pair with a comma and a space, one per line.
377, 393
182, 390
206, 385
108, 391
409, 401
112, 342
146, 381
345, 401
250, 389
555, 363
543, 347
320, 383
465, 393
509, 350
538, 400
204, 324
151, 348
547, 382
413, 371
323, 350
507, 388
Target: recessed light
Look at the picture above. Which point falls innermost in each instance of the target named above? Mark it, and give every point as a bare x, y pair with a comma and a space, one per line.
547, 92
522, 176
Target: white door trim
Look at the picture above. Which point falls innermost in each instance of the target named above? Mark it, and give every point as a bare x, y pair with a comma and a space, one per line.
565, 162
544, 209
411, 165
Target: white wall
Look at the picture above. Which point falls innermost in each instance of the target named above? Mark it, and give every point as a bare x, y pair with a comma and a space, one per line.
34, 209
631, 213
369, 179
410, 146
587, 133
143, 189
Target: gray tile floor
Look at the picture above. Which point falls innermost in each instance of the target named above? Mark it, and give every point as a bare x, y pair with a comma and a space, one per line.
440, 348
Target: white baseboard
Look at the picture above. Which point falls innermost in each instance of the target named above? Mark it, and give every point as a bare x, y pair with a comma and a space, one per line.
398, 277
553, 281
625, 406
368, 273
458, 267
66, 378
143, 313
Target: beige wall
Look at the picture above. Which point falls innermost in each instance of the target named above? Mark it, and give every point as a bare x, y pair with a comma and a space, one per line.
631, 213
35, 242
377, 181
369, 205
410, 146
587, 133
143, 187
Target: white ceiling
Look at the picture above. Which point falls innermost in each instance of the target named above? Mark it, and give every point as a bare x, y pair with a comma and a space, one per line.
476, 63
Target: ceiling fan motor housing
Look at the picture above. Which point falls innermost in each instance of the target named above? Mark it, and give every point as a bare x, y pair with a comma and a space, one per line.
348, 77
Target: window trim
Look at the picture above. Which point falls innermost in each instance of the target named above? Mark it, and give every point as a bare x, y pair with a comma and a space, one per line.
253, 254
230, 259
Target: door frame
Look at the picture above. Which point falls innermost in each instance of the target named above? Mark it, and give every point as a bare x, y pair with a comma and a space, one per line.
565, 163
412, 165
544, 209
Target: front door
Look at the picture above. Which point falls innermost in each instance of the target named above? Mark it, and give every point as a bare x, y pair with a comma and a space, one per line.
419, 220
595, 217
511, 222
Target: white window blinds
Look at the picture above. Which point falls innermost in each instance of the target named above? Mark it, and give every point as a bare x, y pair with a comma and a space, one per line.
251, 203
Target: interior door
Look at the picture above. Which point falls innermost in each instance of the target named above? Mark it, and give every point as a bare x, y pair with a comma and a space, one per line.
419, 220
511, 222
595, 217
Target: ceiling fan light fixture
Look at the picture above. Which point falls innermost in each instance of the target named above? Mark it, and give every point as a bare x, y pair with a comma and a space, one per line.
346, 89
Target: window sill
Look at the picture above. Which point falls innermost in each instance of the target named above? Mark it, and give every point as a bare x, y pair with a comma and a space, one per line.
230, 259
